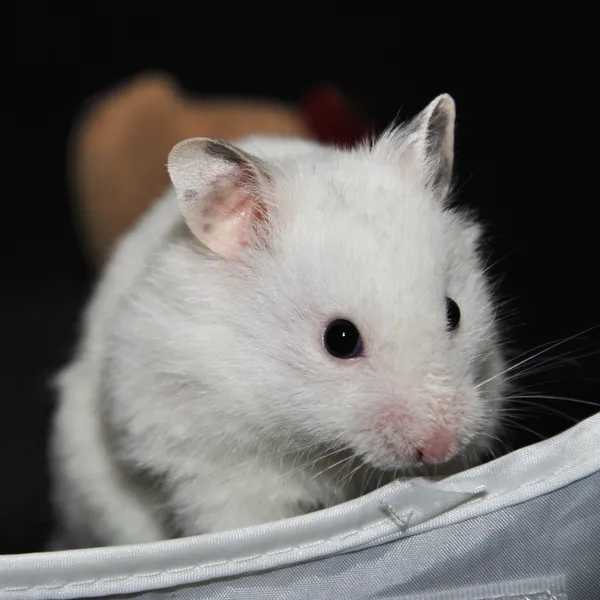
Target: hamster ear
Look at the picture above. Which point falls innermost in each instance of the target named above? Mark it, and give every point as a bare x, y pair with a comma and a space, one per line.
220, 189
429, 140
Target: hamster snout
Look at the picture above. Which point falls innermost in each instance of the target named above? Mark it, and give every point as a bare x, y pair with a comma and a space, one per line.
439, 446
402, 433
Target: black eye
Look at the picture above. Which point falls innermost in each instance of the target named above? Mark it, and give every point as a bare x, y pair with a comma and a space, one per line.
342, 339
452, 314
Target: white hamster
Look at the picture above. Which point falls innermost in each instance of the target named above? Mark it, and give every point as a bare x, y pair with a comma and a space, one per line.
288, 323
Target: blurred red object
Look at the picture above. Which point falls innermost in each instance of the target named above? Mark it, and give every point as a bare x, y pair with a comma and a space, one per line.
331, 117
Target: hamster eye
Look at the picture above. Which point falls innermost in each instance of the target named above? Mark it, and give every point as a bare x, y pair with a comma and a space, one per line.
342, 339
452, 314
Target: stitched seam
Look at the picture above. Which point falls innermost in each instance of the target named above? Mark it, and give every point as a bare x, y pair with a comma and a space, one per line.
246, 559
346, 535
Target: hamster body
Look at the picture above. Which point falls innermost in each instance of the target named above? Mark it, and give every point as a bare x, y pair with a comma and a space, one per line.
289, 326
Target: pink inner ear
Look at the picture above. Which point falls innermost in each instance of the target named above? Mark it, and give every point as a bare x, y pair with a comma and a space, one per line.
239, 209
229, 220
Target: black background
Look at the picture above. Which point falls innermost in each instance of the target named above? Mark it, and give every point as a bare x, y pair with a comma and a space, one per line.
520, 162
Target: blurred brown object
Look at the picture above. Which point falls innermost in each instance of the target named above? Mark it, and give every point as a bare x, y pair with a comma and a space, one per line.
119, 149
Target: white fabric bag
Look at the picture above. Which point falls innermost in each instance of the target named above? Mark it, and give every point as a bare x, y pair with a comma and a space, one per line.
523, 527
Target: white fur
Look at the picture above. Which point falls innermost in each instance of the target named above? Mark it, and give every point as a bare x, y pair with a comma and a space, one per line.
210, 376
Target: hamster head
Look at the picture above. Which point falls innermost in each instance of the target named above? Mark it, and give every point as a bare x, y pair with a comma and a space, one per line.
359, 316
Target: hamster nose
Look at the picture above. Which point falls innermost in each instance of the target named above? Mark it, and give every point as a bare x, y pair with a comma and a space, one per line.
439, 446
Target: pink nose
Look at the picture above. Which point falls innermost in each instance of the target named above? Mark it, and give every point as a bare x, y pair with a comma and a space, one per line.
439, 446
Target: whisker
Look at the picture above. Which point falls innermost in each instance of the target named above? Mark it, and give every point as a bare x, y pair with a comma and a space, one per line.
538, 353
557, 398
565, 359
496, 439
532, 408
309, 464
368, 480
348, 477
534, 386
522, 427
262, 453
340, 462
498, 261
